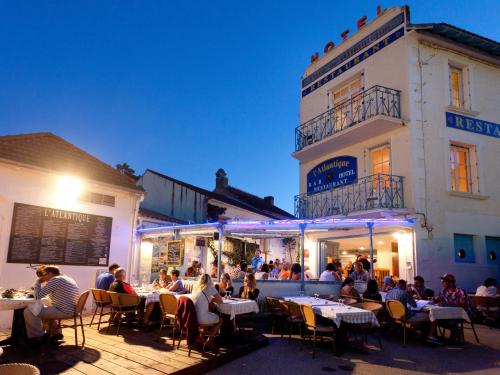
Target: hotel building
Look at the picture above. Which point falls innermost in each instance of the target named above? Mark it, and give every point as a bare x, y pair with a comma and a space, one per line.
402, 120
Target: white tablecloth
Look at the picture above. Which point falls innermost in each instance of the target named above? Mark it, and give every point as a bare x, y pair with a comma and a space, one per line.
445, 312
342, 313
233, 307
311, 301
15, 303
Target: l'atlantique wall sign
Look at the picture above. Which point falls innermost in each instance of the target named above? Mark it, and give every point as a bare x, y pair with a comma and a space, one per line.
332, 173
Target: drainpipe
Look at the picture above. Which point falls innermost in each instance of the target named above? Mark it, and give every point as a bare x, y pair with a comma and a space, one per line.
370, 229
135, 242
302, 243
220, 228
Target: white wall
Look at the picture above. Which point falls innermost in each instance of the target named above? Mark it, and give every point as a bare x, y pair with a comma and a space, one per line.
23, 185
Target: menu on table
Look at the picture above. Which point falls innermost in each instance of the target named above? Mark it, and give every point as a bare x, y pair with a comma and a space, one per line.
53, 236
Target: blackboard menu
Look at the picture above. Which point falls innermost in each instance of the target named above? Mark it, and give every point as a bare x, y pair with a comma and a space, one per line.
174, 253
53, 236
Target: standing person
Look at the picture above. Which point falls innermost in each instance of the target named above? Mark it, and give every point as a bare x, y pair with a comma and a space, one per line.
360, 274
296, 272
105, 279
63, 293
249, 288
257, 261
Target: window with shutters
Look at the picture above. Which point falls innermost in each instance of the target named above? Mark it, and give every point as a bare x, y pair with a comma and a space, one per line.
463, 168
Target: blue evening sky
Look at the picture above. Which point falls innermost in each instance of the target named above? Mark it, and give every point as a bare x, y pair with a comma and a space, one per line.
182, 87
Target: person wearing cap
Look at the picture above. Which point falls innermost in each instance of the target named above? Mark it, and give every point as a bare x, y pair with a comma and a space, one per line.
453, 297
388, 284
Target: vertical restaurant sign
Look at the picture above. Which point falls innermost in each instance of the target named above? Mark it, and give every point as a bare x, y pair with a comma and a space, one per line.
332, 173
472, 125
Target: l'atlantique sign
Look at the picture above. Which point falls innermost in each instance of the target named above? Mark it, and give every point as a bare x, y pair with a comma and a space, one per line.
333, 64
332, 173
472, 125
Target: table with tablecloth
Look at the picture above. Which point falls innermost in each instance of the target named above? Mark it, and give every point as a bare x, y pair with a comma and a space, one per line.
17, 304
337, 312
446, 313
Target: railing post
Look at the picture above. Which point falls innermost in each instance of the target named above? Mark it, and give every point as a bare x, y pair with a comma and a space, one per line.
379, 198
219, 253
370, 230
302, 246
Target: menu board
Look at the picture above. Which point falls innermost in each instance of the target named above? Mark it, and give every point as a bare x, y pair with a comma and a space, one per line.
53, 236
174, 253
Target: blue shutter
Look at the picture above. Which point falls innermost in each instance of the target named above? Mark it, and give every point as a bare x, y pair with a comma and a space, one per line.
464, 248
493, 250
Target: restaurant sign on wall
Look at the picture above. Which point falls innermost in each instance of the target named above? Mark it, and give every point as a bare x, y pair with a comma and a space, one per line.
332, 173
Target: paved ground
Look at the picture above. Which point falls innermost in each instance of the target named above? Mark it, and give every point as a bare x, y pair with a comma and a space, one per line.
279, 357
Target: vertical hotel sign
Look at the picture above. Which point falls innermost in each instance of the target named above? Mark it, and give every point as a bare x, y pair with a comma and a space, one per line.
338, 65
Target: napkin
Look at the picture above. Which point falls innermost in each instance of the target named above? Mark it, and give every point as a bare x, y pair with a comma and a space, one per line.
36, 307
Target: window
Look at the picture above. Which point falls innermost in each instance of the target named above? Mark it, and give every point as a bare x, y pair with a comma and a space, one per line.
381, 167
464, 248
346, 110
97, 198
493, 250
460, 168
457, 87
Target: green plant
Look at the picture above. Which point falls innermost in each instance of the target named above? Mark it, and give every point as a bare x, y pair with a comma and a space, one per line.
290, 243
233, 249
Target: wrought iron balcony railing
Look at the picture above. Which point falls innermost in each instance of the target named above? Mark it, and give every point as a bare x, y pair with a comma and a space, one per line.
377, 100
368, 193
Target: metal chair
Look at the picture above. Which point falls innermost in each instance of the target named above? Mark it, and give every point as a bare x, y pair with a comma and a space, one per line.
275, 309
102, 300
309, 317
78, 314
487, 309
168, 305
122, 303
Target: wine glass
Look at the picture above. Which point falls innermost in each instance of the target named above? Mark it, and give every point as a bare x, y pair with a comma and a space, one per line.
316, 296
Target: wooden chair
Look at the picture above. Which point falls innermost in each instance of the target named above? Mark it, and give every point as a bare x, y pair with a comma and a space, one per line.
368, 328
350, 300
397, 312
168, 305
486, 309
122, 303
276, 310
77, 315
293, 316
310, 324
102, 300
203, 328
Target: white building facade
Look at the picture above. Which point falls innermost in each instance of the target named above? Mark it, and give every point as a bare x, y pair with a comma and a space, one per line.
402, 120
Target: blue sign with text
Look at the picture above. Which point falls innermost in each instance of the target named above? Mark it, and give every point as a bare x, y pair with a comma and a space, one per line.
472, 125
332, 173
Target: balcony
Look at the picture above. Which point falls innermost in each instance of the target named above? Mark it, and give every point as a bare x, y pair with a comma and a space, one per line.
379, 191
364, 116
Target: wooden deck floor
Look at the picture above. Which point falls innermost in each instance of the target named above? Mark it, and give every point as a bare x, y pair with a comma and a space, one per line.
132, 352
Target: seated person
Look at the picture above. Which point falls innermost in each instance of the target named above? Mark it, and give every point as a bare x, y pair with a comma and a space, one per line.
328, 273
240, 271
488, 289
105, 279
296, 272
371, 291
418, 290
264, 273
285, 271
119, 285
388, 284
225, 285
308, 275
194, 270
204, 293
249, 289
399, 293
347, 289
175, 286
162, 280
63, 294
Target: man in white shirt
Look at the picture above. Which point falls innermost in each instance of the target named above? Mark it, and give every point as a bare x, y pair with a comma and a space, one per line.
488, 289
327, 275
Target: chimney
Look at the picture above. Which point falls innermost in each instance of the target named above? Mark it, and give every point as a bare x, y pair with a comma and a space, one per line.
269, 200
221, 180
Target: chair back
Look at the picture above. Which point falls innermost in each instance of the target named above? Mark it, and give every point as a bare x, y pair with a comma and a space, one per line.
273, 303
349, 301
370, 306
308, 315
100, 296
168, 304
485, 303
128, 299
115, 300
82, 300
294, 309
396, 309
